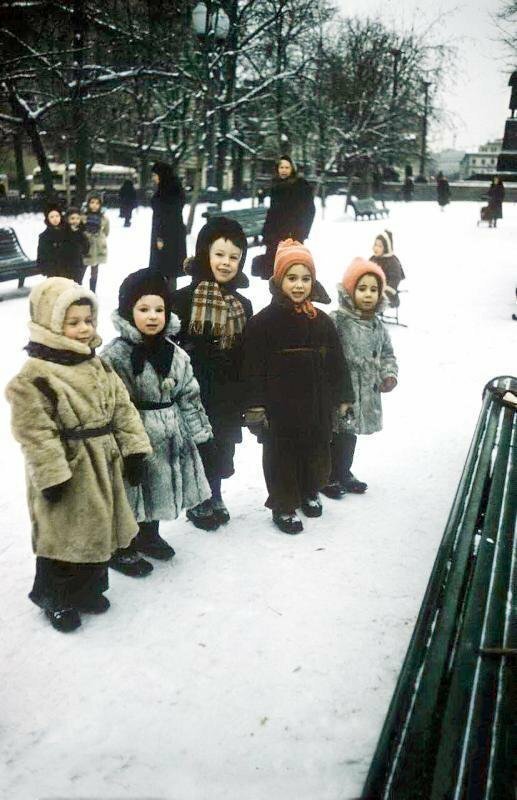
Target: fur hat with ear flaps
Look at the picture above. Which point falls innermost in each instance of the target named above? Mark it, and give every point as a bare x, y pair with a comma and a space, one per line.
217, 228
48, 302
386, 237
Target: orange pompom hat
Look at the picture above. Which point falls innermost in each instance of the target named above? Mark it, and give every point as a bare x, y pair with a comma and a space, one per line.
355, 271
291, 252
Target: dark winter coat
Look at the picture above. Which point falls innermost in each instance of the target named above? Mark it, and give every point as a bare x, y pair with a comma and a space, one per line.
443, 191
127, 197
369, 353
168, 225
392, 269
61, 252
495, 200
291, 211
294, 368
217, 371
174, 476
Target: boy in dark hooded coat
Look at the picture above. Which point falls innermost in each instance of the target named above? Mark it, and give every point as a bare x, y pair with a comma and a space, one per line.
213, 316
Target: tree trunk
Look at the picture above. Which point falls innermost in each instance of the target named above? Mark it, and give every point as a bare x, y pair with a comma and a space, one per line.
196, 189
21, 179
229, 78
78, 116
31, 127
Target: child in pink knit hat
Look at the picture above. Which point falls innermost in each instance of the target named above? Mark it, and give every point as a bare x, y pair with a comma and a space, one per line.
369, 353
295, 379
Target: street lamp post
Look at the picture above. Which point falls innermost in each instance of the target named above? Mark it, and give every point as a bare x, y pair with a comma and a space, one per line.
211, 25
423, 151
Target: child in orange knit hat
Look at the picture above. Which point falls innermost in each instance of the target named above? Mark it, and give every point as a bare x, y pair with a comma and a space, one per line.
296, 378
368, 350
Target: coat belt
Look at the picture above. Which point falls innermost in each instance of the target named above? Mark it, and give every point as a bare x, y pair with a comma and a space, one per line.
86, 433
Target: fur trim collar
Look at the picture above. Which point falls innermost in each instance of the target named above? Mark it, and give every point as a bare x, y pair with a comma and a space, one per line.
132, 334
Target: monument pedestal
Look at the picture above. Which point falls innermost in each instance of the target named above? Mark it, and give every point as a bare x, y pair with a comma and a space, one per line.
507, 161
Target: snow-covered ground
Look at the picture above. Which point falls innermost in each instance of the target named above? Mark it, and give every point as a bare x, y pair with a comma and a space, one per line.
258, 665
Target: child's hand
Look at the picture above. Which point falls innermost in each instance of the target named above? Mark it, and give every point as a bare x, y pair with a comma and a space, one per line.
255, 420
160, 244
134, 468
388, 384
54, 493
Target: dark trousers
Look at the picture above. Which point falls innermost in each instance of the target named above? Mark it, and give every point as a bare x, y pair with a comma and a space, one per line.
293, 470
342, 449
62, 584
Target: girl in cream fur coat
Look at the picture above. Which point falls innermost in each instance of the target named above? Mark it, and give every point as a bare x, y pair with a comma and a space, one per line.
79, 434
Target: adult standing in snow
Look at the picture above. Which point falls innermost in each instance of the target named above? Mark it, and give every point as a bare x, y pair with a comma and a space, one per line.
128, 201
290, 214
443, 190
168, 232
495, 201
513, 97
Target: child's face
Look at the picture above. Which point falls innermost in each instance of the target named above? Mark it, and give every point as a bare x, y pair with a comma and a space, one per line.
155, 178
225, 258
149, 314
78, 323
378, 248
366, 295
94, 205
74, 220
284, 168
297, 283
54, 218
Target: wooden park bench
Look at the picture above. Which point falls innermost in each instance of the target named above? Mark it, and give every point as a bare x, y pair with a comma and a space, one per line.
366, 208
450, 728
14, 263
251, 219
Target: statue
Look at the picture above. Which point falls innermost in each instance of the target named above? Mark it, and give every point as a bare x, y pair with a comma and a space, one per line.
513, 98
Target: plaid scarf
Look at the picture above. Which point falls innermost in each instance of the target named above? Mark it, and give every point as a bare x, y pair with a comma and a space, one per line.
223, 314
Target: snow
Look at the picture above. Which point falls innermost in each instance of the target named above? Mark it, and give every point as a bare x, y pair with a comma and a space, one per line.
256, 664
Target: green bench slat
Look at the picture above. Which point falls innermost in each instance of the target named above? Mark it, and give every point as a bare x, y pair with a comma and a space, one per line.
14, 263
251, 219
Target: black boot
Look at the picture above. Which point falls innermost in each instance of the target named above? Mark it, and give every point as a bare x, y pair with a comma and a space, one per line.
333, 490
288, 523
127, 561
149, 542
311, 505
354, 486
64, 620
221, 513
93, 605
203, 517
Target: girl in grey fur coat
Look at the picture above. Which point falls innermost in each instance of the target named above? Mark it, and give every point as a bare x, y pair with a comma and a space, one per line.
161, 384
369, 353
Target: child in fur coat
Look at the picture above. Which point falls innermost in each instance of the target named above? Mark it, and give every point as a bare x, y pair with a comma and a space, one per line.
160, 381
368, 350
79, 434
296, 378
213, 317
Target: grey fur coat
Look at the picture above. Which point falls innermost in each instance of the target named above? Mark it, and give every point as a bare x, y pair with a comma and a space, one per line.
369, 353
174, 476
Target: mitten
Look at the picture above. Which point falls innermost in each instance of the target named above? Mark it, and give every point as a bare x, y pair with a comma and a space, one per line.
256, 421
134, 468
388, 384
54, 493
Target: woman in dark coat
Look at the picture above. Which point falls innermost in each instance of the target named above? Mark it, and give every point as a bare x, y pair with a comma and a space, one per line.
290, 214
168, 233
213, 315
443, 190
495, 201
128, 201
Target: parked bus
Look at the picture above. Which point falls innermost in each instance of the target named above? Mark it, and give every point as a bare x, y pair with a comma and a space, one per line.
104, 177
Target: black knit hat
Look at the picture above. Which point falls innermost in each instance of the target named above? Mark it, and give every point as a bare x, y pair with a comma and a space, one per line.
138, 284
52, 206
217, 228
